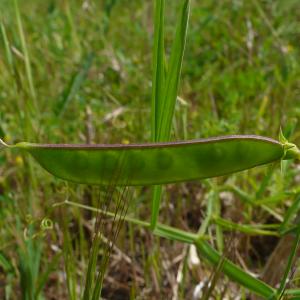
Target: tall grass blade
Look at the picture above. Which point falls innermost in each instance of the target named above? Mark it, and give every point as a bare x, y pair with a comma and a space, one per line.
69, 261
158, 79
72, 28
211, 198
173, 74
8, 269
43, 277
219, 229
165, 91
8, 53
29, 264
156, 197
26, 56
108, 8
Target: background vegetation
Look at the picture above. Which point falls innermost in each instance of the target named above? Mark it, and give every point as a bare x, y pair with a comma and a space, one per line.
80, 72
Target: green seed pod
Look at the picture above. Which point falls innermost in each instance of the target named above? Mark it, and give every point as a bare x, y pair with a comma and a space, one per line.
157, 163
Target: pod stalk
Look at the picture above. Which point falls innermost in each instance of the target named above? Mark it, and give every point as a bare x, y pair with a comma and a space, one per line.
291, 151
3, 144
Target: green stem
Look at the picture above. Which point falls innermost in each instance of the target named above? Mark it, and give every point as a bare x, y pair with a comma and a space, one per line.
209, 210
107, 213
248, 229
157, 192
3, 145
161, 229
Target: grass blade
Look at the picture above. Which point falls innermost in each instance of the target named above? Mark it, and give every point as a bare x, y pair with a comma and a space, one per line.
173, 74
292, 293
234, 272
156, 197
290, 214
43, 277
76, 82
164, 95
247, 229
158, 79
26, 55
289, 265
70, 264
8, 53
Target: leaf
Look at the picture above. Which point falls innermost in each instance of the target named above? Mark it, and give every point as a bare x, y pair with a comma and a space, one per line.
282, 138
75, 84
158, 79
173, 74
164, 93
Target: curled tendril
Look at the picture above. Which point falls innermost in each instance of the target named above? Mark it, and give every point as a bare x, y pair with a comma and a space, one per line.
46, 224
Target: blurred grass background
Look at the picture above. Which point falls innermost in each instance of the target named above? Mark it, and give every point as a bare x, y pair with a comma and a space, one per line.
80, 72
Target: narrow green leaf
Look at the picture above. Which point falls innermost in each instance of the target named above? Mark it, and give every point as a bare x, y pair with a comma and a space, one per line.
248, 229
289, 265
174, 234
173, 74
75, 84
164, 93
155, 205
26, 55
264, 184
209, 210
69, 260
290, 214
292, 293
8, 53
219, 228
234, 272
43, 277
5, 263
158, 67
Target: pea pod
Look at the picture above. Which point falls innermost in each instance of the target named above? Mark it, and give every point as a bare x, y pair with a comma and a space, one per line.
157, 163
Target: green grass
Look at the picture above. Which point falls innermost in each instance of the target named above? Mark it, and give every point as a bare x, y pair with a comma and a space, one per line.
240, 74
